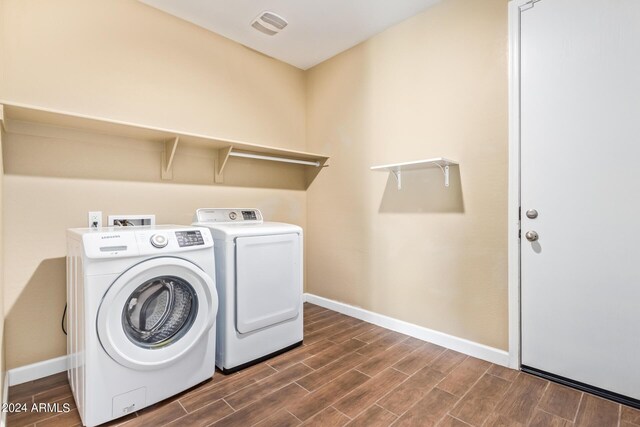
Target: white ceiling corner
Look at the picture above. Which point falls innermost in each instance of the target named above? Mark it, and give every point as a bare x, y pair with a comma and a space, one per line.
317, 30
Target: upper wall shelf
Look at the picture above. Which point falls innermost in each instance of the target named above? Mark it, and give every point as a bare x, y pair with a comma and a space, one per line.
170, 138
397, 168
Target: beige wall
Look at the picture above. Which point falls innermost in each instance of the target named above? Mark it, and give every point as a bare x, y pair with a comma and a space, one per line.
432, 86
122, 60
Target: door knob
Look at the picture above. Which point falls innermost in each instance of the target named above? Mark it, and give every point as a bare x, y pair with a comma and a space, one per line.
532, 214
531, 236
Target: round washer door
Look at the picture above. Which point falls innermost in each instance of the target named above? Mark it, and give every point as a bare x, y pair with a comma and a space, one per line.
155, 312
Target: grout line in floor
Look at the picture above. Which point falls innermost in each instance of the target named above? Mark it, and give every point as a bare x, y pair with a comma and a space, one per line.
299, 385
304, 364
223, 399
182, 406
338, 410
546, 388
462, 421
575, 418
354, 369
461, 397
289, 412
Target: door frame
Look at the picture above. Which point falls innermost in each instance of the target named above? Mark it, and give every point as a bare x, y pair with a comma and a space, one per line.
515, 8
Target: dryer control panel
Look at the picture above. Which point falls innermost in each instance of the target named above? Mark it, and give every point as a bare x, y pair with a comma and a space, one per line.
227, 215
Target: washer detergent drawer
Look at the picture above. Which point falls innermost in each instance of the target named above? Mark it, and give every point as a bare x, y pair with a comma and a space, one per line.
268, 280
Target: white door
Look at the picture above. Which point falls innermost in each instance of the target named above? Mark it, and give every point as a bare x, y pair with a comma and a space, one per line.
268, 280
580, 152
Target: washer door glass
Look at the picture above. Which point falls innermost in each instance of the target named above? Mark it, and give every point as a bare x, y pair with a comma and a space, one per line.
159, 312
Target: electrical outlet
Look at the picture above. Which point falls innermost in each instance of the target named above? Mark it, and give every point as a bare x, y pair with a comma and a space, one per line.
95, 219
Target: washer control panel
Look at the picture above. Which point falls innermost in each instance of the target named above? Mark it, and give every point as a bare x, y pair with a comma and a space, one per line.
244, 216
189, 238
110, 242
159, 240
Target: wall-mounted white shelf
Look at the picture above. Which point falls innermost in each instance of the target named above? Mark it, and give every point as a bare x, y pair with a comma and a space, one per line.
170, 139
398, 168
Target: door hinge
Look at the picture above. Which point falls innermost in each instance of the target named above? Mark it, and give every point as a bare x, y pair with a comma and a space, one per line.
528, 5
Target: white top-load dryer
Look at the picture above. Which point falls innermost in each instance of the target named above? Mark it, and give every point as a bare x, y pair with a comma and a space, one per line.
259, 282
142, 306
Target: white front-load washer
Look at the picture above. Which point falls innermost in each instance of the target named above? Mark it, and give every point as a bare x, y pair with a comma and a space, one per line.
259, 281
142, 306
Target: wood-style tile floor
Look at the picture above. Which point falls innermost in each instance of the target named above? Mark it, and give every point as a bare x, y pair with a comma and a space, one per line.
353, 373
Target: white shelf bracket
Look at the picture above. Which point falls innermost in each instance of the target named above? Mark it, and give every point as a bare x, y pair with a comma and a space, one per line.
167, 157
445, 172
220, 163
398, 175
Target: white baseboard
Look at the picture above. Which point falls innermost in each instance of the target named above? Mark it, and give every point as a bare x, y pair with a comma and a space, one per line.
471, 348
37, 370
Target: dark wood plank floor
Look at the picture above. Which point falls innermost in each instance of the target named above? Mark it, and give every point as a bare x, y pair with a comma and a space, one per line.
353, 373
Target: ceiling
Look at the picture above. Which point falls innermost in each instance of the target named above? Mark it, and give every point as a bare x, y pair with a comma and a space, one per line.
317, 30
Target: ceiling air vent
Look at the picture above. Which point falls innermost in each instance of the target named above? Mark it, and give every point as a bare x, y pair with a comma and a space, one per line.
269, 23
